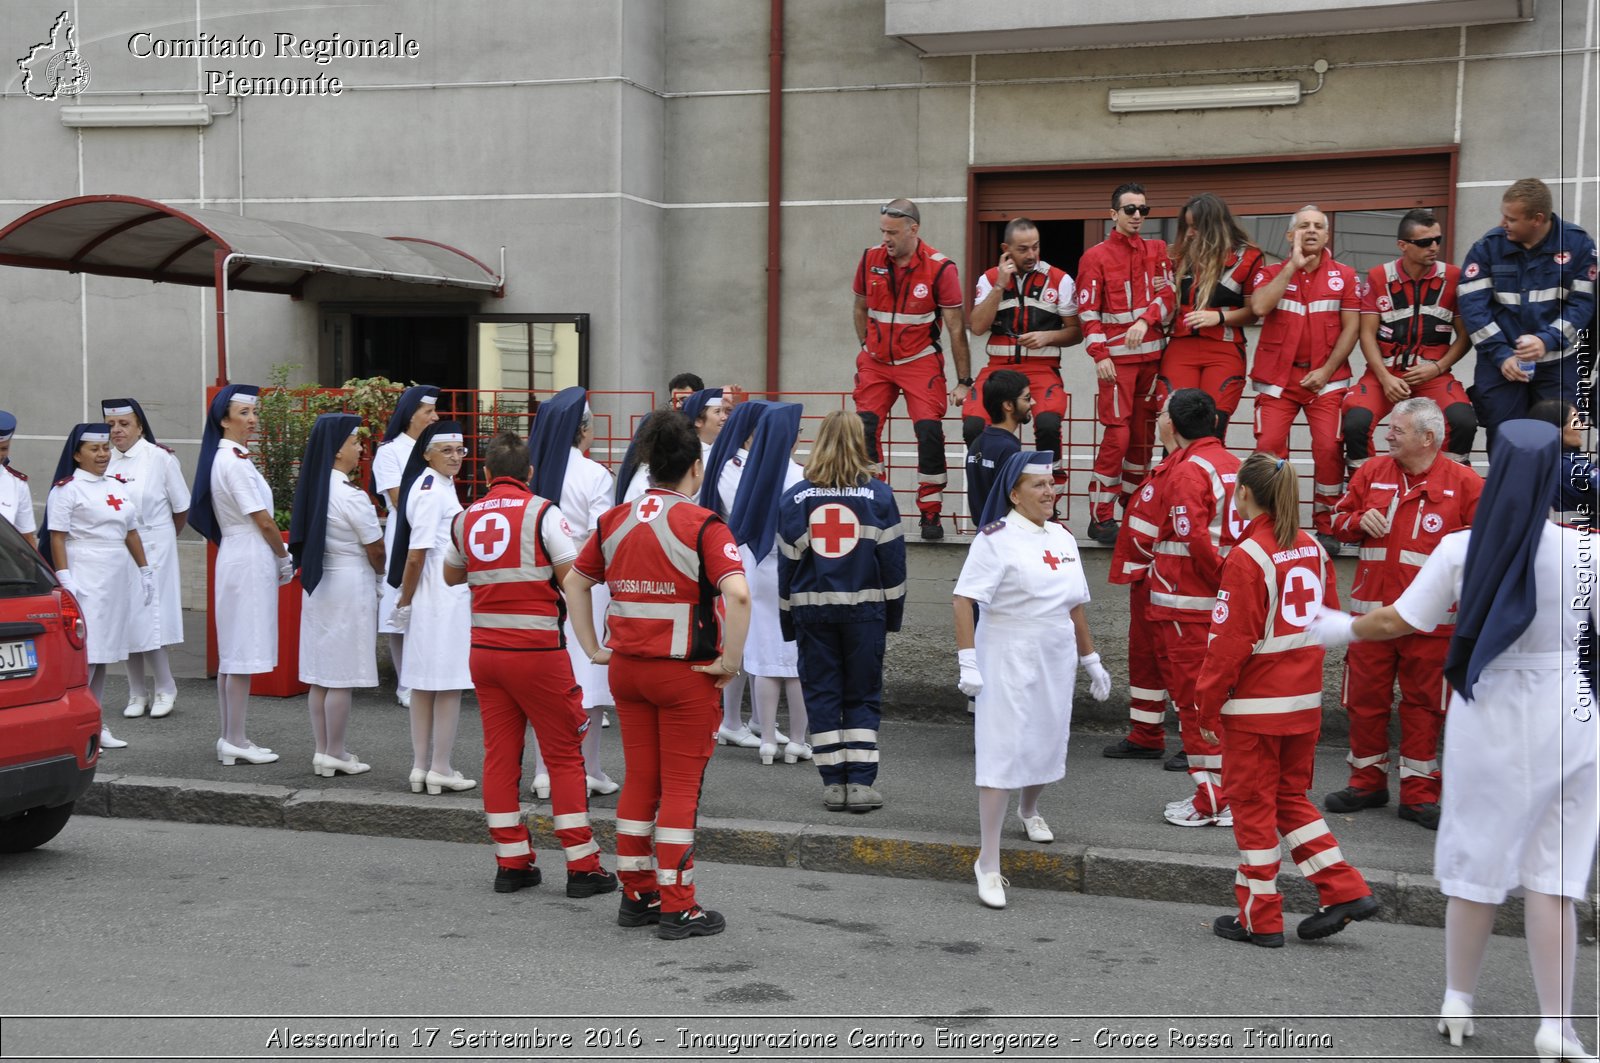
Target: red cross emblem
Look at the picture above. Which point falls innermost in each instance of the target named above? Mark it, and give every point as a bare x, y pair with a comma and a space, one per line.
114, 502
1302, 594
834, 530
649, 508
491, 537
1052, 560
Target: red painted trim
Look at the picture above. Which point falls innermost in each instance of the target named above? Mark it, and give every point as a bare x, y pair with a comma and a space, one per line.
774, 191
455, 251
78, 201
1221, 160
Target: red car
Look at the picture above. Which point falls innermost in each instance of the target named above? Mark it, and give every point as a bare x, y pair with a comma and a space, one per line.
49, 722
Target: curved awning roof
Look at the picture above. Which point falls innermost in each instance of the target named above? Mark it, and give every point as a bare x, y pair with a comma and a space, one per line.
125, 236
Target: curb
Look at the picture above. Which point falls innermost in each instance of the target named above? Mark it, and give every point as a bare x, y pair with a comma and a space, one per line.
1134, 874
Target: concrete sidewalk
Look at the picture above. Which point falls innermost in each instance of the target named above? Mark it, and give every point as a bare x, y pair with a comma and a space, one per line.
1106, 814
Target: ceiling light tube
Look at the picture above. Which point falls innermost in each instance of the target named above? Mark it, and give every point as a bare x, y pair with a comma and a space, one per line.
101, 116
1205, 97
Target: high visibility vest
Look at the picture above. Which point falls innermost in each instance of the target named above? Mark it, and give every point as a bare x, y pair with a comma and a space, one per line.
1031, 304
902, 304
516, 603
1416, 318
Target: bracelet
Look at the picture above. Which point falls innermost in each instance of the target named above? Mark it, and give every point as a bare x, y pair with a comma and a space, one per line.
1222, 319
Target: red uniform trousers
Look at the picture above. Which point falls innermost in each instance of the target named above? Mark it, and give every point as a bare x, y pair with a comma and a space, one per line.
922, 382
669, 717
1049, 407
1267, 778
1126, 408
1214, 366
1275, 415
1184, 651
517, 688
1147, 698
1445, 390
1371, 670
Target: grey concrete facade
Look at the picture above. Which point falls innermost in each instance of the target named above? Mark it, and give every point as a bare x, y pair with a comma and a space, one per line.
617, 151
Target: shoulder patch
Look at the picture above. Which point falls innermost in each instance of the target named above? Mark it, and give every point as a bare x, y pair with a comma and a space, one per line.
64, 481
245, 454
990, 529
19, 475
427, 482
163, 446
351, 485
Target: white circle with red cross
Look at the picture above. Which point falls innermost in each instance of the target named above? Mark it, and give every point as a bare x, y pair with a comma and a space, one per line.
920, 291
648, 509
490, 537
834, 530
1335, 283
1432, 522
1302, 595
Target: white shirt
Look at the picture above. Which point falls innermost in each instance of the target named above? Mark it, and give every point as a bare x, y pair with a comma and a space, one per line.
91, 507
389, 463
430, 508
1022, 571
154, 478
352, 523
16, 501
585, 493
237, 487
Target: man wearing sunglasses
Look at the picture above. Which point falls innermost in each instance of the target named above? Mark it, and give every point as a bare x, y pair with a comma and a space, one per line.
1527, 290
905, 290
1411, 335
1124, 297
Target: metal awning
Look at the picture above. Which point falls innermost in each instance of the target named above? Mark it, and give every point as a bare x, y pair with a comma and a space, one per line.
126, 236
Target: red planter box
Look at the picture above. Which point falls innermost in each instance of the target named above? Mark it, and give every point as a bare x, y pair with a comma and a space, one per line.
284, 680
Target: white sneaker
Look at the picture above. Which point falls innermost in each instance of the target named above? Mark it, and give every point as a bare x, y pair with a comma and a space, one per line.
403, 696
109, 740
743, 738
1186, 815
991, 887
1038, 829
162, 705
136, 705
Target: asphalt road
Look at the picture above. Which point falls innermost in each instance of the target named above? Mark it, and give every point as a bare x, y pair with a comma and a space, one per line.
226, 942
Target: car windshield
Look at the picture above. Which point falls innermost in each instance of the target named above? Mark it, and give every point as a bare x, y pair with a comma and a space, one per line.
23, 572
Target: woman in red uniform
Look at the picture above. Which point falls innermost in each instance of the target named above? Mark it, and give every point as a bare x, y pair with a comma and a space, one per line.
1216, 264
1261, 687
665, 561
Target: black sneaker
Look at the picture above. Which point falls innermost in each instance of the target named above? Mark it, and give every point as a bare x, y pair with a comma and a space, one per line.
1228, 926
1333, 546
1122, 749
1104, 532
1332, 919
640, 910
931, 528
695, 923
1424, 815
589, 883
1179, 761
1352, 800
512, 879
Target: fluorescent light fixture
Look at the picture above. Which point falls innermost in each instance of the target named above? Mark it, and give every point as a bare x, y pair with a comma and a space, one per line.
101, 116
1206, 97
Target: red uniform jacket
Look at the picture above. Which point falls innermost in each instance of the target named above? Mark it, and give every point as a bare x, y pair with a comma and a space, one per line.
1141, 525
1416, 318
903, 304
662, 557
1233, 290
1422, 509
1198, 527
1299, 334
1263, 671
1120, 281
516, 602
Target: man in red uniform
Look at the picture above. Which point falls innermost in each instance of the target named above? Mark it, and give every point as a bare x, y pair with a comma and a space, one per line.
1027, 309
1198, 527
905, 290
1124, 298
1399, 506
1411, 336
1130, 564
1310, 314
512, 548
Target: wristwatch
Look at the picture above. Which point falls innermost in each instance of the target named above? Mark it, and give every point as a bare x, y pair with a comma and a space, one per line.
965, 382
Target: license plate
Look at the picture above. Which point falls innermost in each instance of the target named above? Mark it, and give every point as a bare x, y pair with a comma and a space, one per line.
18, 658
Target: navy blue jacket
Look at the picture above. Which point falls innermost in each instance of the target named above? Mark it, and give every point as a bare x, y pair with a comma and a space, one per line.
987, 454
866, 577
1507, 291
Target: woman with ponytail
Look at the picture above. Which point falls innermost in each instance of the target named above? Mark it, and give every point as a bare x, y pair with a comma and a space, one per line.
1261, 689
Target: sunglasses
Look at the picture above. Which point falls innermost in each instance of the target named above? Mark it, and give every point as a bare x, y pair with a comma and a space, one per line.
1426, 241
896, 212
1130, 209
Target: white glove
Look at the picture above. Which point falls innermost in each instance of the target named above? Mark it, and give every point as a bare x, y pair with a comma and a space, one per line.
68, 583
1099, 678
285, 569
971, 682
147, 576
1332, 628
378, 587
400, 617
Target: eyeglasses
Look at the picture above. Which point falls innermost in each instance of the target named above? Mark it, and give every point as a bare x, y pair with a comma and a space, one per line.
1130, 209
1426, 241
451, 452
896, 212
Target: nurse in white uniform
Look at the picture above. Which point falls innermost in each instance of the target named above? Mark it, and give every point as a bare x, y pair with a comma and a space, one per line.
92, 538
336, 545
1518, 814
16, 501
231, 505
417, 408
436, 618
1023, 572
154, 478
582, 488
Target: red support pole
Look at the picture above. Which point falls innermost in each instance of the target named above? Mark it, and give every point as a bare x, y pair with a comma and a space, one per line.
219, 268
774, 193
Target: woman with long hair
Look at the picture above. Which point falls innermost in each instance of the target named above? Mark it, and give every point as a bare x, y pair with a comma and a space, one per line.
153, 477
665, 561
1215, 265
337, 545
417, 408
842, 573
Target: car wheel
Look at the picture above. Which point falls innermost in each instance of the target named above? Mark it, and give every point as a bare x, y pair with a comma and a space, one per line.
33, 828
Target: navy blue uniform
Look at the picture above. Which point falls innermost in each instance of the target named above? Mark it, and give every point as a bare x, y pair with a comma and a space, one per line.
988, 452
841, 588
